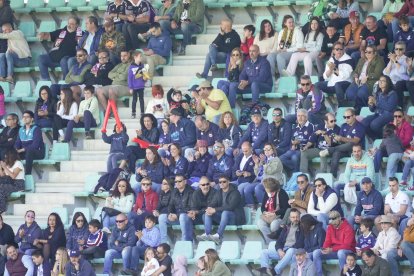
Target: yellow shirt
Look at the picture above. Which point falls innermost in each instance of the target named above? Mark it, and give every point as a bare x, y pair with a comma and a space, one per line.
216, 95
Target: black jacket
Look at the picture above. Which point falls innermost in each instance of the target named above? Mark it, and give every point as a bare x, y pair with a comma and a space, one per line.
283, 203
315, 238
234, 202
7, 235
180, 204
200, 202
6, 135
163, 202
101, 76
280, 243
227, 42
6, 14
150, 135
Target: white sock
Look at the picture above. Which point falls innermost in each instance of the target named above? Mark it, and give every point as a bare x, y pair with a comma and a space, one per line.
61, 133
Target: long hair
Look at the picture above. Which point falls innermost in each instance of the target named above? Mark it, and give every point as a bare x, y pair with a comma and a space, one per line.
156, 158
212, 257
306, 222
179, 152
59, 222
318, 30
389, 87
262, 33
76, 216
68, 100
63, 261
11, 156
233, 119
129, 190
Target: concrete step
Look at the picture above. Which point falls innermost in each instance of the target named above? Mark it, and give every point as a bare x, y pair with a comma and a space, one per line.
67, 177
92, 145
206, 38
55, 198
40, 209
196, 50
86, 155
188, 70
65, 188
84, 166
16, 220
199, 61
177, 81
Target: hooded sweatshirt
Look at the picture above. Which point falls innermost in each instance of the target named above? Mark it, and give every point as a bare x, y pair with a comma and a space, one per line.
180, 266
339, 238
76, 234
85, 269
118, 141
356, 170
31, 233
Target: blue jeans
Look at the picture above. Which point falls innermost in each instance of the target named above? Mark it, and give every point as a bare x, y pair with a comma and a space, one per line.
87, 122
9, 60
138, 220
255, 88
374, 123
359, 94
108, 221
393, 259
317, 258
247, 192
113, 159
223, 218
259, 192
403, 225
409, 164
272, 254
408, 250
187, 30
224, 86
213, 56
112, 254
186, 225
291, 159
45, 62
338, 89
392, 163
137, 253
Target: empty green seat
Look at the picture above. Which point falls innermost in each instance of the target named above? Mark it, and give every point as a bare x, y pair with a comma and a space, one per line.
63, 213
90, 183
251, 252
29, 30
34, 4
47, 26
51, 5
202, 247
7, 92
340, 112
365, 112
328, 178
183, 248
75, 4
18, 6
230, 250
287, 87
410, 111
215, 81
39, 84
60, 152
22, 89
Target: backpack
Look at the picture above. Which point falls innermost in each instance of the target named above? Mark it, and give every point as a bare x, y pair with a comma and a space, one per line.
245, 118
108, 180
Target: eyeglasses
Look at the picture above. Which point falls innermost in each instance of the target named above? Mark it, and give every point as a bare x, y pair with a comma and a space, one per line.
276, 114
223, 181
338, 49
79, 220
301, 182
305, 84
333, 218
318, 185
368, 52
120, 221
332, 121
146, 184
398, 116
204, 184
347, 117
399, 49
79, 55
179, 181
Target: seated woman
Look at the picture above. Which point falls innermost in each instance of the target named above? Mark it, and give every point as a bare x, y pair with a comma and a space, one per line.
322, 201
234, 69
45, 108
158, 105
176, 163
78, 232
267, 38
118, 141
149, 133
52, 237
310, 51
67, 109
27, 234
122, 199
229, 132
164, 197
62, 258
383, 105
11, 177
153, 168
164, 129
366, 73
198, 163
87, 117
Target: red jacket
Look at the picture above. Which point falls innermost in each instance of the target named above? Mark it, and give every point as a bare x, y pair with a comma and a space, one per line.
340, 238
407, 9
405, 133
245, 47
151, 201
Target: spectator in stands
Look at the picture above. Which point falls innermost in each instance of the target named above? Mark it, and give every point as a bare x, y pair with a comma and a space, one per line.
247, 40
322, 9
116, 12
302, 264
52, 237
201, 199
164, 260
351, 36
122, 200
227, 209
279, 132
139, 16
371, 36
267, 164
176, 100
188, 20
388, 239
212, 102
243, 173
178, 208
310, 98
120, 244
112, 41
339, 241
406, 245
118, 141
370, 203
332, 36
119, 77
78, 265
29, 143
98, 75
300, 136
9, 134
215, 266
229, 132
78, 232
62, 259
405, 34
308, 53
374, 265
406, 10
149, 237
387, 15
390, 146
340, 17
234, 68
164, 15
302, 196
220, 48
255, 132
6, 236
351, 267
89, 41
18, 263
358, 166
42, 265
65, 41
403, 130
67, 109
352, 132
164, 199
87, 117
367, 239
220, 164
97, 242
152, 167
27, 234
322, 201
182, 130
17, 54
145, 204
206, 131
266, 40
6, 13
158, 105
137, 81
274, 206
198, 163
148, 133
318, 141
175, 163
313, 232
45, 108
290, 239
367, 72
337, 73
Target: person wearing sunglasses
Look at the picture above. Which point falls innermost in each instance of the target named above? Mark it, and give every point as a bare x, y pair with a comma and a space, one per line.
279, 132
220, 164
78, 232
405, 34
403, 129
120, 244
320, 140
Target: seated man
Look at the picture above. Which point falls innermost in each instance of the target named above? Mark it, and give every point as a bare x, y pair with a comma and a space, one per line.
225, 209
255, 133
182, 130
223, 44
243, 173
17, 54
112, 41
18, 263
65, 41
178, 209
290, 238
300, 201
220, 164
120, 243
78, 265
339, 241
9, 134
41, 264
116, 12
206, 131
119, 77
255, 77
279, 132
201, 199
352, 132
374, 265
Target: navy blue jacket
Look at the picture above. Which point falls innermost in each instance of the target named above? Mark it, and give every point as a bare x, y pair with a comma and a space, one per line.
184, 133
199, 167
325, 195
231, 135
257, 136
210, 135
95, 41
222, 166
180, 167
300, 239
155, 171
85, 269
315, 238
30, 234
76, 234
118, 141
31, 141
47, 268
248, 167
372, 203
125, 237
280, 136
161, 45
257, 71
386, 103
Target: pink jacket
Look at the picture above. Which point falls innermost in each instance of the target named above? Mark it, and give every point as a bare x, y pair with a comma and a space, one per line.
405, 133
2, 108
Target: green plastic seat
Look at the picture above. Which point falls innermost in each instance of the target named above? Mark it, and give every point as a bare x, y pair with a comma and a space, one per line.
34, 4
100, 3
75, 4
183, 248
328, 178
410, 111
251, 251
7, 91
202, 247
215, 81
63, 213
83, 210
377, 143
270, 113
22, 89
40, 84
52, 5
47, 26
287, 87
90, 183
29, 184
29, 30
230, 250
253, 225
247, 215
340, 115
365, 112
60, 152
18, 6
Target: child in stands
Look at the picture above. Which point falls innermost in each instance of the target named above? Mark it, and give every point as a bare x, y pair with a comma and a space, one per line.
351, 268
118, 141
367, 239
137, 75
97, 242
247, 40
151, 263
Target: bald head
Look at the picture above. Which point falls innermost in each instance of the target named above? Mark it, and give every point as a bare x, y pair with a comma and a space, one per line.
254, 52
226, 25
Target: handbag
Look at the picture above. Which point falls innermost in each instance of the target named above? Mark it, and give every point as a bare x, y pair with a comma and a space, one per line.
111, 212
409, 234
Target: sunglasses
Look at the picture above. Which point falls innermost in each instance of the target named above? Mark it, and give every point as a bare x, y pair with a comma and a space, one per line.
347, 117
120, 221
399, 49
333, 218
276, 114
332, 121
79, 55
301, 182
204, 184
338, 49
305, 84
223, 181
398, 116
179, 181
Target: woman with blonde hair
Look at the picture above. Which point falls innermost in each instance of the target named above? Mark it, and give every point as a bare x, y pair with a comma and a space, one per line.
215, 267
62, 259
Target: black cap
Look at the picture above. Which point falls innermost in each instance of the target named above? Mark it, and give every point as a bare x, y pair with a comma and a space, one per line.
176, 111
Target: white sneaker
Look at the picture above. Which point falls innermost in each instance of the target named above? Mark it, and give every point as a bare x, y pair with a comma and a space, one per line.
215, 238
324, 153
202, 237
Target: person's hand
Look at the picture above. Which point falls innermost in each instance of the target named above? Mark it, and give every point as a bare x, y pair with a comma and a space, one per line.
167, 162
76, 119
345, 269
281, 253
186, 106
197, 155
392, 57
326, 250
246, 174
21, 233
291, 201
236, 151
256, 159
363, 80
239, 173
156, 213
376, 252
139, 211
195, 95
76, 264
400, 252
210, 211
338, 138
36, 242
81, 241
139, 234
262, 157
149, 52
409, 62
191, 214
190, 158
359, 252
331, 66
138, 132
172, 217
174, 25
243, 84
352, 183
157, 18
131, 91
130, 18
318, 193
